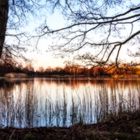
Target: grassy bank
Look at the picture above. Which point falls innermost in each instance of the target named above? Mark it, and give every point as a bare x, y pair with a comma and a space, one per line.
125, 126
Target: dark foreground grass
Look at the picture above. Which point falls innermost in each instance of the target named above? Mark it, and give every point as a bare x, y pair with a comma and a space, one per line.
125, 126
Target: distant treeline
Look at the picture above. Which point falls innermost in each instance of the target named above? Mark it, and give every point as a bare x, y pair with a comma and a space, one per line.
73, 69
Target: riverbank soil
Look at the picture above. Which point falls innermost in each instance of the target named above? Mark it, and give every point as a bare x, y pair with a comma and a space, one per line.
123, 127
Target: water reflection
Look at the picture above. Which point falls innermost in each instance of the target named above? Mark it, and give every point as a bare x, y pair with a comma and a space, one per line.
63, 102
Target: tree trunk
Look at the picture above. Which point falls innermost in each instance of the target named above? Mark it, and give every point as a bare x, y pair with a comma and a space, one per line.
4, 7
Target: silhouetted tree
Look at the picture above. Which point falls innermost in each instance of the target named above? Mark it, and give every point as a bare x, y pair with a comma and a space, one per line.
4, 8
104, 25
13, 15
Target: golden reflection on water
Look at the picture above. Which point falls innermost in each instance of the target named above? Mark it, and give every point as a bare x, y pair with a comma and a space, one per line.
62, 102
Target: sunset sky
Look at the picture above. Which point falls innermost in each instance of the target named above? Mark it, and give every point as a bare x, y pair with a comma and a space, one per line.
41, 55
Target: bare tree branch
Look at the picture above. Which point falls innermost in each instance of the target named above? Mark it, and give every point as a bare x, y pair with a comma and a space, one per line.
88, 18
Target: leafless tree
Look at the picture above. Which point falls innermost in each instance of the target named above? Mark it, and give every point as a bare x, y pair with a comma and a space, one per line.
14, 15
4, 7
104, 25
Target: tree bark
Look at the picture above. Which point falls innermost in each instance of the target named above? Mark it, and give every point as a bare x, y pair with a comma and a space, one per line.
4, 7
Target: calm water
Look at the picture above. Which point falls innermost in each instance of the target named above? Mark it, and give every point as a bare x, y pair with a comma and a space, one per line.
58, 102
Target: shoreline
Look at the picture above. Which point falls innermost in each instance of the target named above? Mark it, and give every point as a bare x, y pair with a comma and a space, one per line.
123, 127
77, 77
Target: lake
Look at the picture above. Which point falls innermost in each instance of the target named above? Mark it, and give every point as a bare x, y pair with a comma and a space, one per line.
48, 102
